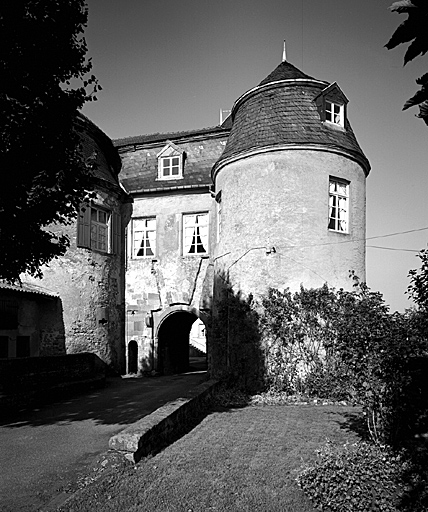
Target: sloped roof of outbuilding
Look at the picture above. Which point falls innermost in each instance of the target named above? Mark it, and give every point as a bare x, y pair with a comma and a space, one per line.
28, 288
281, 112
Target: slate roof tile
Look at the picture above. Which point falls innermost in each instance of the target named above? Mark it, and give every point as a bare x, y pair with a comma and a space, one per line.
140, 166
285, 114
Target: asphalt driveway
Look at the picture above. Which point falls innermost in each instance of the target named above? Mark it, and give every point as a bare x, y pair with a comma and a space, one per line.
44, 450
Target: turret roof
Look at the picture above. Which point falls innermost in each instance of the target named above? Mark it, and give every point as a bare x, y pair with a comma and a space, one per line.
283, 110
285, 71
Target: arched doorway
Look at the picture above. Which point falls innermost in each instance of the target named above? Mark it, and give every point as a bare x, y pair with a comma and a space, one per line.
132, 356
173, 342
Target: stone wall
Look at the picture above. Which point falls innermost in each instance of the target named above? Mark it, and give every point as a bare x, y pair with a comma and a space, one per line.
40, 379
34, 320
91, 286
280, 200
154, 284
275, 208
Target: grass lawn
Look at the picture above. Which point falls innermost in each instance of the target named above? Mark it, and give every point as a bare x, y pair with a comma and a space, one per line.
234, 460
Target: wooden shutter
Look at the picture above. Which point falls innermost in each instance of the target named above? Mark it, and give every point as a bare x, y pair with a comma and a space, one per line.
84, 226
115, 233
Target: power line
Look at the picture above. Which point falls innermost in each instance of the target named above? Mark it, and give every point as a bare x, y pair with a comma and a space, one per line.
392, 248
358, 239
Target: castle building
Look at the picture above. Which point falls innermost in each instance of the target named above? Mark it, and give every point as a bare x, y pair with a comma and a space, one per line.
89, 280
273, 197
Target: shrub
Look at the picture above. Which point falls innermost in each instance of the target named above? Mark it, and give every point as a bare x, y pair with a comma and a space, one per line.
359, 477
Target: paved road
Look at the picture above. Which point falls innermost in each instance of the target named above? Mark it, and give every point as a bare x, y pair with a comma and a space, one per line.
44, 450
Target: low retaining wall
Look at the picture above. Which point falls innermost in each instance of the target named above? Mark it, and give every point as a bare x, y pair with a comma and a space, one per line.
164, 425
31, 380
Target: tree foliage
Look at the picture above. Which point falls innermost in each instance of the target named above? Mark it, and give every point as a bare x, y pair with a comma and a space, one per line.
342, 344
45, 77
414, 30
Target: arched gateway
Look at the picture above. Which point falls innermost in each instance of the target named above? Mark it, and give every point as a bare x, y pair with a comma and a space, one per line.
172, 338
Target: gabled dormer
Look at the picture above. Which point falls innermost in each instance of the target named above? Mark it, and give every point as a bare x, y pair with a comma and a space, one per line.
331, 104
170, 162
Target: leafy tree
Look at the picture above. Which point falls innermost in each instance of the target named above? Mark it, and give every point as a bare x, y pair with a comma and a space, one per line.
418, 288
413, 30
45, 78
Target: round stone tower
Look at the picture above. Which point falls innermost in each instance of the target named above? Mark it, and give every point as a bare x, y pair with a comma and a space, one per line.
290, 188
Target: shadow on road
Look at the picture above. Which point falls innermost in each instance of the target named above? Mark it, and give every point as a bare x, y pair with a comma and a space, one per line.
121, 401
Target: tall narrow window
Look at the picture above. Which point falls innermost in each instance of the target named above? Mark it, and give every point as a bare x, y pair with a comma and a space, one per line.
338, 206
144, 237
99, 229
334, 113
219, 219
195, 233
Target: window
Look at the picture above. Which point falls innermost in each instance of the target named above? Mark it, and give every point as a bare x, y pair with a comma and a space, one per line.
331, 104
170, 166
143, 237
334, 113
219, 218
338, 206
98, 229
195, 233
170, 162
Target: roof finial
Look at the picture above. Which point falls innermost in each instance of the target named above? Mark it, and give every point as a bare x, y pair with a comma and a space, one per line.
284, 53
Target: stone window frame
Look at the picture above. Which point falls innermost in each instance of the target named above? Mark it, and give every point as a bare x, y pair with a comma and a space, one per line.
170, 158
338, 205
146, 237
199, 238
89, 229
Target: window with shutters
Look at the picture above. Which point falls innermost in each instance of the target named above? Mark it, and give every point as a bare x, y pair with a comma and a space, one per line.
143, 237
195, 233
98, 229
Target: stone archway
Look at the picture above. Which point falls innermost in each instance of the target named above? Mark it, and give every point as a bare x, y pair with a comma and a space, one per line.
132, 356
172, 334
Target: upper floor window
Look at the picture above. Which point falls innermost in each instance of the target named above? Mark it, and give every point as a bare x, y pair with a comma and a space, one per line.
338, 211
100, 220
331, 105
170, 162
195, 233
219, 214
98, 229
334, 113
143, 237
170, 166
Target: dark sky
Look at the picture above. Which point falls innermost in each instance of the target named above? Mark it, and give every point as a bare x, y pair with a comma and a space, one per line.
170, 65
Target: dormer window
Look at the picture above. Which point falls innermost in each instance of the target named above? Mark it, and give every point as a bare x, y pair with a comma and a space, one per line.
331, 104
334, 113
170, 166
170, 162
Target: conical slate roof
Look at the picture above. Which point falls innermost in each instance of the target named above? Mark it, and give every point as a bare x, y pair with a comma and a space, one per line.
285, 71
283, 111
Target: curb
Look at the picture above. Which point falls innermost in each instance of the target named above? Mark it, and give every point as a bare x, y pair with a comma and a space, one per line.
164, 425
